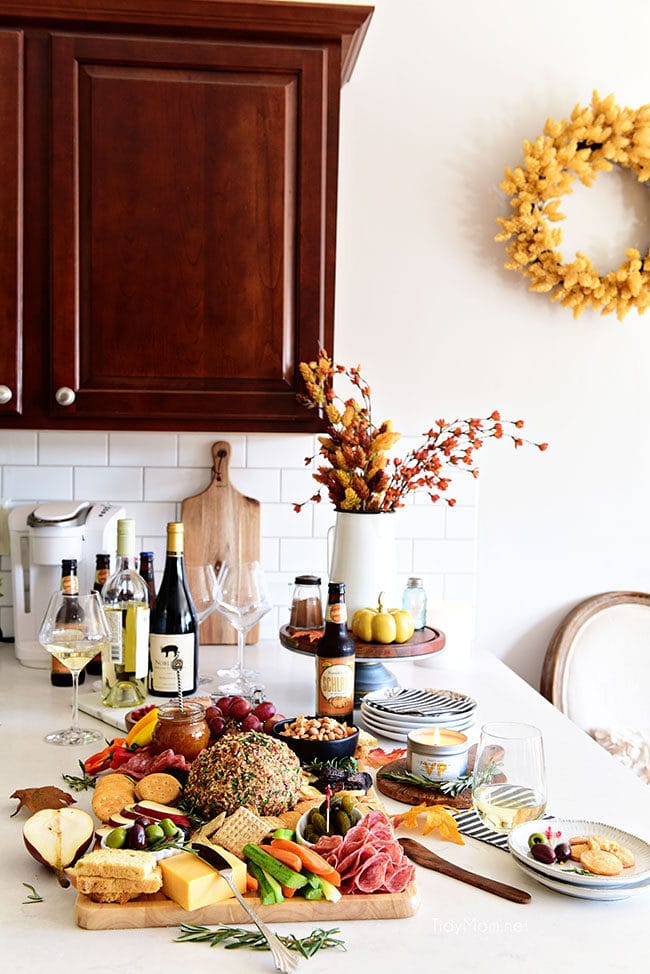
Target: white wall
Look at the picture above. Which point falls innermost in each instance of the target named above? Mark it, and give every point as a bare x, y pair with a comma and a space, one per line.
441, 99
442, 96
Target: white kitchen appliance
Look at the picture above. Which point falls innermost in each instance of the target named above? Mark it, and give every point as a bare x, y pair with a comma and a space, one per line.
40, 536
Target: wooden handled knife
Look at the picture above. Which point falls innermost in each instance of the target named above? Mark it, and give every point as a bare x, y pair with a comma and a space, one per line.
424, 857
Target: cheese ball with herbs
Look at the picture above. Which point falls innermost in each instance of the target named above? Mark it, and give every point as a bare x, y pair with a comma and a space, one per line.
250, 769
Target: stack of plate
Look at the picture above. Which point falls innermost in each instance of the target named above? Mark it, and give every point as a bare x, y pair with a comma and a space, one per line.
396, 711
569, 877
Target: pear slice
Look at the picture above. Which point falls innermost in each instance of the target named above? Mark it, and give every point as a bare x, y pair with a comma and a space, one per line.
57, 837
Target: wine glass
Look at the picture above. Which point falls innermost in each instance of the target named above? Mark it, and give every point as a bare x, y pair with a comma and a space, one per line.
202, 583
243, 600
509, 780
74, 630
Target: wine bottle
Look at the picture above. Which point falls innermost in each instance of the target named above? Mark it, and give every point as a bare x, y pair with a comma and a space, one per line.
126, 603
174, 628
335, 661
60, 675
146, 570
102, 574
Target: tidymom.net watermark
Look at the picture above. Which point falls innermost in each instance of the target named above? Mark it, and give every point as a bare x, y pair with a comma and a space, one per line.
475, 925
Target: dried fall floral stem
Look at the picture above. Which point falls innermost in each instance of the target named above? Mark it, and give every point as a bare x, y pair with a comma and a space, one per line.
358, 473
233, 937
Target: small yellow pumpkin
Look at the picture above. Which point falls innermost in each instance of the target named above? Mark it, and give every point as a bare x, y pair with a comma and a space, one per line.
382, 625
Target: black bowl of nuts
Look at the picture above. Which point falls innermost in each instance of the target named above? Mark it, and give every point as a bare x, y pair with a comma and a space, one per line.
317, 738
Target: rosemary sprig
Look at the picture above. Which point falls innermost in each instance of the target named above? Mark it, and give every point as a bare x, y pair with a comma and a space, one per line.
450, 788
581, 872
348, 763
233, 937
33, 896
80, 784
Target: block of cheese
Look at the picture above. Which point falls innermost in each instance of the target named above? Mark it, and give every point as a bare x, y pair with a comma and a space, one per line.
191, 883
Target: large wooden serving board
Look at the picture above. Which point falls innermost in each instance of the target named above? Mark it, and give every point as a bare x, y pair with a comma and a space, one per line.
157, 911
220, 524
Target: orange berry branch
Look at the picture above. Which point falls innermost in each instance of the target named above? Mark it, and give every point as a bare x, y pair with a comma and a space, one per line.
359, 475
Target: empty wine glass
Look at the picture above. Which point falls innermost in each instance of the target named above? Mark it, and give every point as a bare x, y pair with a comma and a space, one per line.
202, 582
243, 600
74, 630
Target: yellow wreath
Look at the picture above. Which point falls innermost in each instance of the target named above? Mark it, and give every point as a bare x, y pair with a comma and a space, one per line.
593, 139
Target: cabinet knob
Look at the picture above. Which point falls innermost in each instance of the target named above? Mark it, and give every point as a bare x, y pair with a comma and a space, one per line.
5, 395
65, 396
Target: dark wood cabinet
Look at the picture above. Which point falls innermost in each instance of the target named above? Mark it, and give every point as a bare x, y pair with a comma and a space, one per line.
187, 254
11, 220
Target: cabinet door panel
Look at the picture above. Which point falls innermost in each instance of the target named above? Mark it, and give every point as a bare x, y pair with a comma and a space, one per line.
11, 220
181, 173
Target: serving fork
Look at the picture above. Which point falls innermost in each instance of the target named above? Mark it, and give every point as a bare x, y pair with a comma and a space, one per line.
285, 960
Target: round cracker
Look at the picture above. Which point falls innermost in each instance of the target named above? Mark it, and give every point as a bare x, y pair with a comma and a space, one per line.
601, 863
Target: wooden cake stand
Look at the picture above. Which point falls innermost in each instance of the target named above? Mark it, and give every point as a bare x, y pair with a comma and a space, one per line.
371, 674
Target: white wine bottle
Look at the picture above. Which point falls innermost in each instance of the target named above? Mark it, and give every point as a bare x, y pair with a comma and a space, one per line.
126, 603
174, 628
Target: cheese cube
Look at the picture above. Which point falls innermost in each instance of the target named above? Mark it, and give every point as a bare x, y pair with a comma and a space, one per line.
192, 883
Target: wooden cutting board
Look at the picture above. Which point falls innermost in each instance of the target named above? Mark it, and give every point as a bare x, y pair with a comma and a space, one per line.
220, 524
157, 911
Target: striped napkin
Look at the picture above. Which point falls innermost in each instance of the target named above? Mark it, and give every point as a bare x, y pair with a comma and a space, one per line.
470, 824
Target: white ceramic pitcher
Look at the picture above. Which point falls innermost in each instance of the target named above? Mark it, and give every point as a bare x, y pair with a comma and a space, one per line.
363, 556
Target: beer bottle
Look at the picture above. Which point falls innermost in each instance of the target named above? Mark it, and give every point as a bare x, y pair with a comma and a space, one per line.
102, 574
335, 661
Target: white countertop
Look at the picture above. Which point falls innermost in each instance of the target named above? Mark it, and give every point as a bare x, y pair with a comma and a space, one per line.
457, 928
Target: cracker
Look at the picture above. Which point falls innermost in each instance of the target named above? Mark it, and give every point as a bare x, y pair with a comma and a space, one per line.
239, 829
601, 863
577, 850
158, 787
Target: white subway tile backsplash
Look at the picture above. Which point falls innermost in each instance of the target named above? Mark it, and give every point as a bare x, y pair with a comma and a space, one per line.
37, 483
149, 474
261, 483
303, 556
461, 522
195, 449
64, 447
151, 518
174, 483
418, 522
136, 450
116, 484
281, 521
18, 446
445, 557
279, 451
297, 485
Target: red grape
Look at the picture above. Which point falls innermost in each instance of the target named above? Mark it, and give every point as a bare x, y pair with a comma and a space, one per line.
212, 712
264, 710
223, 703
217, 726
269, 723
240, 707
251, 723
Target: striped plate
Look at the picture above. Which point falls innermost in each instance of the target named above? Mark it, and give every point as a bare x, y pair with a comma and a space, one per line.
411, 705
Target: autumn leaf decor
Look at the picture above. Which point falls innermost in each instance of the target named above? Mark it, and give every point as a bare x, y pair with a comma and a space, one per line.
356, 469
426, 818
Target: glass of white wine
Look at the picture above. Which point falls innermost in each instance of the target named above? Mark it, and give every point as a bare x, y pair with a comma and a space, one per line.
74, 630
509, 780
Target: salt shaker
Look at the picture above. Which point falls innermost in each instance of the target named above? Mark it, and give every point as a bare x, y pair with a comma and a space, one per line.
414, 600
306, 607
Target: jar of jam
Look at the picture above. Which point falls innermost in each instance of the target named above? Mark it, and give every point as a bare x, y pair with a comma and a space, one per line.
184, 731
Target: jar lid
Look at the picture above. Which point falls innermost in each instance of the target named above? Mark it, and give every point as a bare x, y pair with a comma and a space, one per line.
414, 582
307, 580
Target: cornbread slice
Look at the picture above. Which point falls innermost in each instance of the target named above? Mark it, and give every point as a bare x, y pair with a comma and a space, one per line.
117, 864
104, 890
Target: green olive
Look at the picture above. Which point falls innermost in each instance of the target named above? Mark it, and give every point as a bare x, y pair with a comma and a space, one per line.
168, 827
117, 838
535, 839
154, 833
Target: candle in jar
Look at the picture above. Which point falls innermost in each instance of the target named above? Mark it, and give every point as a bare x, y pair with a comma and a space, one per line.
437, 753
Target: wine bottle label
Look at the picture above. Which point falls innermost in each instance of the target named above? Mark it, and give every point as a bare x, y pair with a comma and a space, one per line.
163, 650
337, 612
129, 627
335, 686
